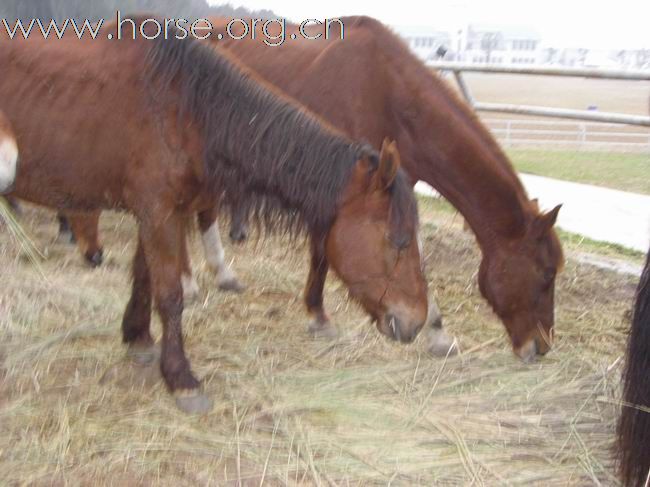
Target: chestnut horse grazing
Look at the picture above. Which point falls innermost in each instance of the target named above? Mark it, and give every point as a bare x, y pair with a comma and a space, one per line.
371, 86
634, 424
176, 124
8, 155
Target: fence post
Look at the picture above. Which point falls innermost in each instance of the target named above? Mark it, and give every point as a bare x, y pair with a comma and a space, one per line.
508, 126
582, 134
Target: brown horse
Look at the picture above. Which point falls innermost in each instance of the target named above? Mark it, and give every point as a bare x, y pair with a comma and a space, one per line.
371, 86
442, 142
634, 424
159, 128
8, 155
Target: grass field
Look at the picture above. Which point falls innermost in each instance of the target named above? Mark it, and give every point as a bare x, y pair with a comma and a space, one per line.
627, 172
291, 410
618, 170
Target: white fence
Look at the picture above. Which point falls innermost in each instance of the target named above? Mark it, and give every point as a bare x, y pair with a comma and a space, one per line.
540, 111
574, 135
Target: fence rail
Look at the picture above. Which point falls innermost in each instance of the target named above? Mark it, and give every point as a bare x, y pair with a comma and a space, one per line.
617, 118
581, 135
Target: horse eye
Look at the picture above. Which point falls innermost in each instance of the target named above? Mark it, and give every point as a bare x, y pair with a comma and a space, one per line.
549, 275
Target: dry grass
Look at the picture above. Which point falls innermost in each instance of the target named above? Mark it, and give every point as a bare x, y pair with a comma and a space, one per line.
291, 410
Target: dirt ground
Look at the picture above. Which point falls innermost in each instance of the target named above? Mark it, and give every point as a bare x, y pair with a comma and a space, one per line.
291, 410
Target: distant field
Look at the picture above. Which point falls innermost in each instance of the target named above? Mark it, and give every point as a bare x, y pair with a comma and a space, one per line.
577, 93
627, 172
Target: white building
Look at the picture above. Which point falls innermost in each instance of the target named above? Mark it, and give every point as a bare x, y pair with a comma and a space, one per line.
427, 43
475, 44
500, 45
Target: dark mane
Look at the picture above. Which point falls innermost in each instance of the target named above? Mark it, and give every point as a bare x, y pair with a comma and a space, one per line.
634, 424
261, 148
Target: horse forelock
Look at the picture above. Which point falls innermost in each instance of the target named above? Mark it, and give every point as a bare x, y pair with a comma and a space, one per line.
403, 212
260, 147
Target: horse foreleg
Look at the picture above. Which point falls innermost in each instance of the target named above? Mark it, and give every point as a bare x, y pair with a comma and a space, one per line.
214, 253
190, 286
137, 317
320, 326
162, 243
85, 229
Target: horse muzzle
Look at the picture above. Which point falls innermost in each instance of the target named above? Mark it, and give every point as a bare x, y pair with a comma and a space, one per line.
538, 345
396, 329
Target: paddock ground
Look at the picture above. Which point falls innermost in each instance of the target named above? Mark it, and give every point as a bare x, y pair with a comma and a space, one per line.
290, 410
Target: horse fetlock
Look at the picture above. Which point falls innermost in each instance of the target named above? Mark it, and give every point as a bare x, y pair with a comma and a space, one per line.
227, 281
190, 288
178, 375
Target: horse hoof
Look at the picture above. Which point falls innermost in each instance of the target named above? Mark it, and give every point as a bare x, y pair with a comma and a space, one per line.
441, 344
193, 402
238, 236
325, 330
96, 259
143, 355
232, 285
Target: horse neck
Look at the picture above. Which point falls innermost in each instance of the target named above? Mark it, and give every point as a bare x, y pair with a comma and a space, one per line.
457, 156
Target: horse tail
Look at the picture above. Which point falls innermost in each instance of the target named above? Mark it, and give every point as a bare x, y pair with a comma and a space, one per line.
634, 424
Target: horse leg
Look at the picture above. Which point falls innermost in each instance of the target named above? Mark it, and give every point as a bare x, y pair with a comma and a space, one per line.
440, 343
239, 223
85, 229
214, 253
137, 317
320, 326
162, 244
65, 231
190, 286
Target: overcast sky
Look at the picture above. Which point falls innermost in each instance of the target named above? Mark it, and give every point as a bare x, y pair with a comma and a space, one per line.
572, 23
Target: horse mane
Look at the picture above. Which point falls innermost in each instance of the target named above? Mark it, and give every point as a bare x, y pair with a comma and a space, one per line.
261, 148
634, 423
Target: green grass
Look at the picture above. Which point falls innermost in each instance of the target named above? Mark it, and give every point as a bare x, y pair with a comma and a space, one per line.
627, 172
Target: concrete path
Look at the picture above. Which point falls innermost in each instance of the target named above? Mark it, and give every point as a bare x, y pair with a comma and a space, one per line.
595, 212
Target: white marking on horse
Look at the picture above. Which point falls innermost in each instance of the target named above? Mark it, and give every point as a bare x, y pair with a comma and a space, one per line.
215, 255
8, 163
190, 288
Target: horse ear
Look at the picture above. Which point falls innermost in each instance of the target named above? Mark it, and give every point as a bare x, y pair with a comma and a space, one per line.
389, 163
535, 203
543, 223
